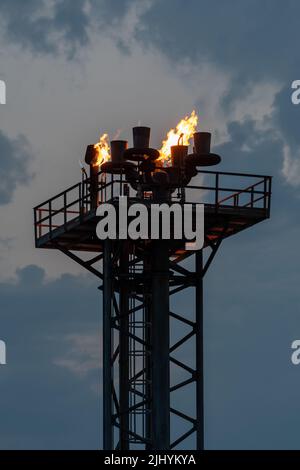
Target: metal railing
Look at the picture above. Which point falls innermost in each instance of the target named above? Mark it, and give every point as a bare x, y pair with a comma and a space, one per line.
219, 189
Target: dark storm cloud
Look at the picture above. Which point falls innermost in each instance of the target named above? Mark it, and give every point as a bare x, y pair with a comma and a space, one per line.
50, 396
30, 25
62, 25
24, 24
253, 39
72, 22
107, 11
250, 149
15, 156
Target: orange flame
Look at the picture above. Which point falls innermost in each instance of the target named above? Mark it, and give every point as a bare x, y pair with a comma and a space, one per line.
183, 132
103, 150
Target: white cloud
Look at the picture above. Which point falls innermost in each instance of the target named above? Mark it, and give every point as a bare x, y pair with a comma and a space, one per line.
291, 166
83, 354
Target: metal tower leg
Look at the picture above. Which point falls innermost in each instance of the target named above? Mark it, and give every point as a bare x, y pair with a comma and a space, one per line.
107, 348
148, 329
124, 349
160, 408
199, 350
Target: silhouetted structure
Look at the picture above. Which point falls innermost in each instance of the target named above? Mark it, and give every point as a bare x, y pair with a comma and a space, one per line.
138, 279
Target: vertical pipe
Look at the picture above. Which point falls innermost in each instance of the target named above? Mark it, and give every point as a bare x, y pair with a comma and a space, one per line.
148, 328
199, 350
124, 347
160, 412
107, 347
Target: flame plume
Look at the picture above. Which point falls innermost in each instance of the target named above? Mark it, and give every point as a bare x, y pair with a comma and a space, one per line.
183, 132
103, 150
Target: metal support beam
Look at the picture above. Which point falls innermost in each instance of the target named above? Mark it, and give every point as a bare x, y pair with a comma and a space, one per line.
86, 264
107, 348
199, 351
124, 349
148, 336
160, 407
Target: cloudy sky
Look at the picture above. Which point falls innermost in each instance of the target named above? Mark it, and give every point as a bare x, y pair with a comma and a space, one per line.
75, 69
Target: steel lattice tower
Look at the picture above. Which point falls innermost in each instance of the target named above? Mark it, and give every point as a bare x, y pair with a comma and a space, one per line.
143, 365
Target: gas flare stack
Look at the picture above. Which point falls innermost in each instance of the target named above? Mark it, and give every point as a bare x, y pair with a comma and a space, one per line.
153, 371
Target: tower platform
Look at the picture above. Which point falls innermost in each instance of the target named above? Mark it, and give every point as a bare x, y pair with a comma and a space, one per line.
233, 202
